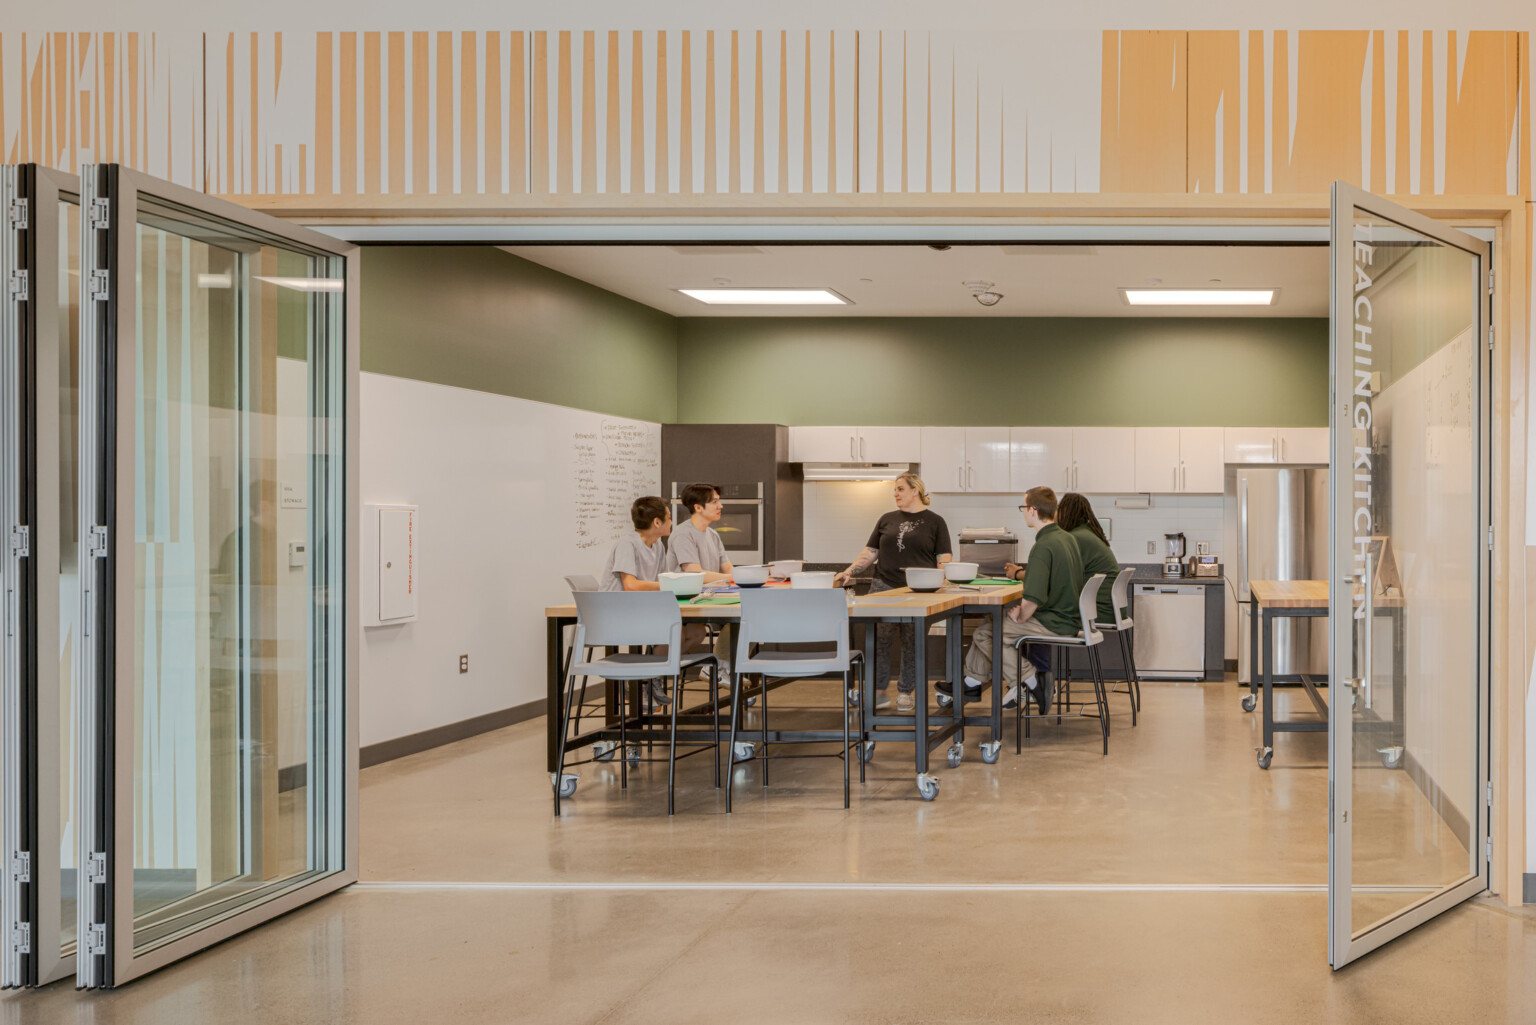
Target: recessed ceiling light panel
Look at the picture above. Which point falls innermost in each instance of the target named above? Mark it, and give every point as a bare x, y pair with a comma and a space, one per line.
766, 296
1200, 296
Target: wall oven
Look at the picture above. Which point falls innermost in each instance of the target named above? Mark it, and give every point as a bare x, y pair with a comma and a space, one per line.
741, 520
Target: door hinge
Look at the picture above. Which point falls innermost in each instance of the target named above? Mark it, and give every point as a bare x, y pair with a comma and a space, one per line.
98, 542
1488, 794
100, 286
1490, 282
18, 214
21, 938
96, 939
1488, 849
1490, 337
101, 213
21, 541
1490, 537
21, 866
96, 868
18, 286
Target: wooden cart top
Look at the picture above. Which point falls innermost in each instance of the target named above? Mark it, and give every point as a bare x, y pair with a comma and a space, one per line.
1290, 594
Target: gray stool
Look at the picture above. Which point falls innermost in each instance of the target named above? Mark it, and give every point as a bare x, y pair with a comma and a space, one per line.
786, 616
638, 619
1120, 595
1089, 638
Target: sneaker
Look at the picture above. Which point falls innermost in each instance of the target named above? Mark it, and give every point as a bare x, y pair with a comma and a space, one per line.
905, 702
882, 700
972, 689
659, 695
1011, 699
1043, 692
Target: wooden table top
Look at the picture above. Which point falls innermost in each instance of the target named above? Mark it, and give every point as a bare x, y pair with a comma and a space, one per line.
989, 594
905, 603
1290, 594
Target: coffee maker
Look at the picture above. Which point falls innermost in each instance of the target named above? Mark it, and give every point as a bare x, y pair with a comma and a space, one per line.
1173, 561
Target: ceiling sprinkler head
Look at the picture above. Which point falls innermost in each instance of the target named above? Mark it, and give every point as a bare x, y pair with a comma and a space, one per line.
982, 292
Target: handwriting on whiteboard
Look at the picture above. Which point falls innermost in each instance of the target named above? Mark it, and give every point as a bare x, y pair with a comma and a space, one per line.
611, 467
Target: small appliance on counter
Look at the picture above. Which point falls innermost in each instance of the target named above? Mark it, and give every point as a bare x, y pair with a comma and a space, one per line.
1173, 561
1204, 566
991, 548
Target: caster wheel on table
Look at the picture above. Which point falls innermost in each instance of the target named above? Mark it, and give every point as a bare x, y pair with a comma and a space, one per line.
955, 753
853, 697
927, 786
632, 756
1248, 703
945, 700
1391, 757
750, 700
604, 750
744, 751
568, 781
867, 751
1265, 755
990, 749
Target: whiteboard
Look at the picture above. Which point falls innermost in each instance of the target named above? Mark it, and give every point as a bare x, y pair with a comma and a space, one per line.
514, 495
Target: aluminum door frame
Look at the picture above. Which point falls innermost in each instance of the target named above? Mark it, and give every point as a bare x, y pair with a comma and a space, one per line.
1344, 946
109, 216
33, 952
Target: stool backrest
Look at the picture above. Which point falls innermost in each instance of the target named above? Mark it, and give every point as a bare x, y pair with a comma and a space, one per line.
783, 615
582, 582
1120, 595
1088, 607
618, 618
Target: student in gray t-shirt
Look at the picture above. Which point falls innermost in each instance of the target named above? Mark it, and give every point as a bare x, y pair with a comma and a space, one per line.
694, 544
637, 559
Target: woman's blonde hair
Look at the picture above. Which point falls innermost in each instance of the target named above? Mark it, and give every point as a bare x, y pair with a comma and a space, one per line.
915, 482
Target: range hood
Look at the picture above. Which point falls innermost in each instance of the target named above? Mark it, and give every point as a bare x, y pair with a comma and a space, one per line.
854, 471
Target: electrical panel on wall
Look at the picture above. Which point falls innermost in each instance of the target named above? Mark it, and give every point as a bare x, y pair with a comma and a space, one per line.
391, 566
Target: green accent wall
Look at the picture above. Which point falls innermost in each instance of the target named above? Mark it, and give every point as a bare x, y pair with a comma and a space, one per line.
1122, 371
478, 317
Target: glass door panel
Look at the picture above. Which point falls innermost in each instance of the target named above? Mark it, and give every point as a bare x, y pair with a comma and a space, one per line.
38, 349
1409, 761
230, 780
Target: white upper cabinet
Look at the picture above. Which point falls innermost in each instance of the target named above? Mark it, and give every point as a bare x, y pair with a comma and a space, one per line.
1157, 459
1201, 452
1303, 444
855, 444
1277, 444
823, 444
890, 444
944, 459
1040, 455
987, 459
1104, 460
966, 459
1252, 445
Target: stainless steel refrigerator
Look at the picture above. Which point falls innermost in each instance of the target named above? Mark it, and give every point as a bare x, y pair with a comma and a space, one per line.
1282, 534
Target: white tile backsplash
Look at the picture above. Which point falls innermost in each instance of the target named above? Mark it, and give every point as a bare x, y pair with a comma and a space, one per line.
840, 514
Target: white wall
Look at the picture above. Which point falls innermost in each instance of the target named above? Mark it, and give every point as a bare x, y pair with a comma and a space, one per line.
494, 478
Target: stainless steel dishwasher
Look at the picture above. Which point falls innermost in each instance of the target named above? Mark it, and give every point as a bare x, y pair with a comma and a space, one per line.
1170, 631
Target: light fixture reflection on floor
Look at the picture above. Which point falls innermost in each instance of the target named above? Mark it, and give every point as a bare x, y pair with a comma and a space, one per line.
1200, 296
766, 296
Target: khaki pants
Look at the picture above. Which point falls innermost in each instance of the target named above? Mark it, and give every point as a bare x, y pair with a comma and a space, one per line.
978, 658
694, 635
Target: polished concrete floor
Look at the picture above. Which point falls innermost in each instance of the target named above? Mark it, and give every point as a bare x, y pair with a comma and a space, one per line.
1173, 881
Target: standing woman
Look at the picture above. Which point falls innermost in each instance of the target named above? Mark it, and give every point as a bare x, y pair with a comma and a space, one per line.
911, 535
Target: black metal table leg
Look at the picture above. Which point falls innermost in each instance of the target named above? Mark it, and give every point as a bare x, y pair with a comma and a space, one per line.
920, 655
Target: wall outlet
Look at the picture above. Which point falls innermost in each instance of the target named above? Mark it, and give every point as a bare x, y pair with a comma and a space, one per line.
1202, 548
463, 663
1151, 547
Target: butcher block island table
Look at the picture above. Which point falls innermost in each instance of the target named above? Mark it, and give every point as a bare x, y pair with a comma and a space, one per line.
921, 611
1285, 599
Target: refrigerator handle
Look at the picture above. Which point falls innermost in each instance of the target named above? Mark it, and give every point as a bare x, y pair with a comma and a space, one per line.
1242, 539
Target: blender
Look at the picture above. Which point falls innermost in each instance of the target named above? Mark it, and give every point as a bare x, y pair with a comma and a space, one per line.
1173, 562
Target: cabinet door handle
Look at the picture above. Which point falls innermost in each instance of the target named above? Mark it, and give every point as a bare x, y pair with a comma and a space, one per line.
863, 450
853, 452
970, 475
1183, 475
1175, 476
960, 477
1274, 449
1282, 448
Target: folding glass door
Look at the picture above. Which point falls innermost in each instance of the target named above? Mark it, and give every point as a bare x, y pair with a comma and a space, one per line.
39, 267
218, 684
1410, 542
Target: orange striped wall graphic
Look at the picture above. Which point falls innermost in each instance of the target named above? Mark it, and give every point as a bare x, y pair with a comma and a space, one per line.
358, 114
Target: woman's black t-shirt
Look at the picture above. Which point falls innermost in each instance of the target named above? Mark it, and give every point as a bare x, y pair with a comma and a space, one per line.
907, 539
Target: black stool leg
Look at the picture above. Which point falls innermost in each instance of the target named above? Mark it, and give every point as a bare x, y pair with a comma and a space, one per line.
565, 724
1099, 695
677, 696
730, 754
845, 741
1130, 673
763, 699
623, 689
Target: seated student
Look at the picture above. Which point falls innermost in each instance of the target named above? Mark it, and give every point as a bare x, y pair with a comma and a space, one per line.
1075, 515
696, 547
637, 558
1052, 583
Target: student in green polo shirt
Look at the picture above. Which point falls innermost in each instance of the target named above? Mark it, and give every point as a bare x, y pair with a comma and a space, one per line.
1052, 582
1075, 515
